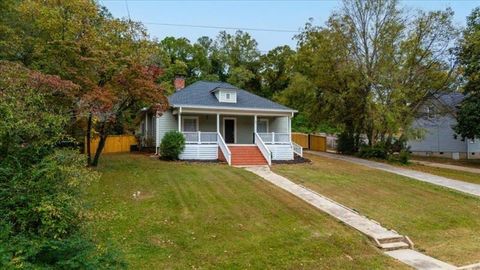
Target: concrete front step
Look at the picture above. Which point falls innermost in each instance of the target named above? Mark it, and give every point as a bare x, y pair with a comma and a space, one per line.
394, 246
391, 240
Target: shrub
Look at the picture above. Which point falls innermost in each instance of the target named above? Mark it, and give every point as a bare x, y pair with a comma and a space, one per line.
346, 143
41, 182
376, 151
404, 156
172, 145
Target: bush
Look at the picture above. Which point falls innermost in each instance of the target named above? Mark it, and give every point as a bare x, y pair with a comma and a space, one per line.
376, 151
172, 145
346, 143
404, 156
41, 182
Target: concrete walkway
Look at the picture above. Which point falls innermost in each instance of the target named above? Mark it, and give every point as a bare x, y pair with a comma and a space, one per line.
394, 244
418, 260
473, 189
448, 166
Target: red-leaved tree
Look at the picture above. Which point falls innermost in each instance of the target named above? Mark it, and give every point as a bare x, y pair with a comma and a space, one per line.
119, 99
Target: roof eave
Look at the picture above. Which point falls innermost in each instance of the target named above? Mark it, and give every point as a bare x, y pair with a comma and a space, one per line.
232, 108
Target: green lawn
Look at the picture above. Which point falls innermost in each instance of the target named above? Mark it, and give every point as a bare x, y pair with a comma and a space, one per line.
449, 173
441, 222
211, 216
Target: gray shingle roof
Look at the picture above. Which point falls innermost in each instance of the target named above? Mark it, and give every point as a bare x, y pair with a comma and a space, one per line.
451, 99
200, 94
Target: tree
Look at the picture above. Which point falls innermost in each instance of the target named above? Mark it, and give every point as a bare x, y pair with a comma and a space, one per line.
374, 65
119, 99
236, 59
276, 70
468, 116
40, 183
78, 41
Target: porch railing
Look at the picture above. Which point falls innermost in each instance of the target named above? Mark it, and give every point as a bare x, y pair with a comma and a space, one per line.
275, 138
263, 148
224, 148
200, 137
297, 149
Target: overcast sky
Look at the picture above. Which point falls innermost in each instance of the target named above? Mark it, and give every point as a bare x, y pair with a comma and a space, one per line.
283, 15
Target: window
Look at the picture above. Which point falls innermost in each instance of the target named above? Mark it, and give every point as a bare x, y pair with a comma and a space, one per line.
262, 125
190, 124
431, 111
229, 96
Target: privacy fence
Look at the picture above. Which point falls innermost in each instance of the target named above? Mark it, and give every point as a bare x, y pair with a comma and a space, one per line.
310, 141
114, 143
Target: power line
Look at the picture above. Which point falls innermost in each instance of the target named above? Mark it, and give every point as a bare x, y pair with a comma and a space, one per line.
224, 27
318, 1
128, 10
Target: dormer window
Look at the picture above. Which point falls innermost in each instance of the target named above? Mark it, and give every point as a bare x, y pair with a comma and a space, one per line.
226, 95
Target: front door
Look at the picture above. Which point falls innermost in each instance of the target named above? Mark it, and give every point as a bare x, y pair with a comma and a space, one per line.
229, 130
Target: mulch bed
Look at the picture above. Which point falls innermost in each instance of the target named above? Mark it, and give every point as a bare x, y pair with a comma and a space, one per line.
296, 160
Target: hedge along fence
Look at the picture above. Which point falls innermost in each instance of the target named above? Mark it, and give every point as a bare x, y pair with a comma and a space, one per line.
310, 141
113, 144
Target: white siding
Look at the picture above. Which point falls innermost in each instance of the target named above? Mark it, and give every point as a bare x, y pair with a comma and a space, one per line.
439, 136
281, 152
165, 123
200, 152
222, 96
279, 124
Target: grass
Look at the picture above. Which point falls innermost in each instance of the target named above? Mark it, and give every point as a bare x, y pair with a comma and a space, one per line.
474, 163
211, 216
449, 173
441, 222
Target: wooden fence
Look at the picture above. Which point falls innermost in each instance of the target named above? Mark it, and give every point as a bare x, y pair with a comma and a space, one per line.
300, 139
310, 141
318, 143
114, 143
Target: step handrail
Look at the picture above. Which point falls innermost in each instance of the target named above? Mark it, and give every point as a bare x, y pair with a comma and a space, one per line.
297, 149
267, 154
224, 148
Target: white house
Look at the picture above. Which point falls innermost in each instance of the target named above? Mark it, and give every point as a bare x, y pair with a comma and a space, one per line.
436, 119
221, 121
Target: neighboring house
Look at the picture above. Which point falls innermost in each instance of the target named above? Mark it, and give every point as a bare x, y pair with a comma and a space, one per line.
436, 120
221, 121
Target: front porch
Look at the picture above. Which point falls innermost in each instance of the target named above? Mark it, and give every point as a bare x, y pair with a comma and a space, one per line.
235, 129
212, 135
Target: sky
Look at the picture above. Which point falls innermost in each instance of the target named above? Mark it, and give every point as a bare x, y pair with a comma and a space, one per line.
286, 17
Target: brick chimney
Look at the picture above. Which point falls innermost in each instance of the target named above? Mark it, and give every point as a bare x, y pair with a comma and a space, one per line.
179, 82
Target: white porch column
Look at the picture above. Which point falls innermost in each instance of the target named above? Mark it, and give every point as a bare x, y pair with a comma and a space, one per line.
218, 123
255, 123
289, 119
180, 120
146, 124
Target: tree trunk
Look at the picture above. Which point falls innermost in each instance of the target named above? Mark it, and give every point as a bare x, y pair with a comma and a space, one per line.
101, 145
89, 139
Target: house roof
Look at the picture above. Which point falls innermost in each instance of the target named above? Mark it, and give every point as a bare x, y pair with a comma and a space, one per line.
201, 94
451, 99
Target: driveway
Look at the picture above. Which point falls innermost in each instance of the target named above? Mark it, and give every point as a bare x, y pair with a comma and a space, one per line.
473, 189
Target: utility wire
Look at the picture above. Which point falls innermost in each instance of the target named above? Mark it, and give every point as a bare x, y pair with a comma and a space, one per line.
224, 27
128, 10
